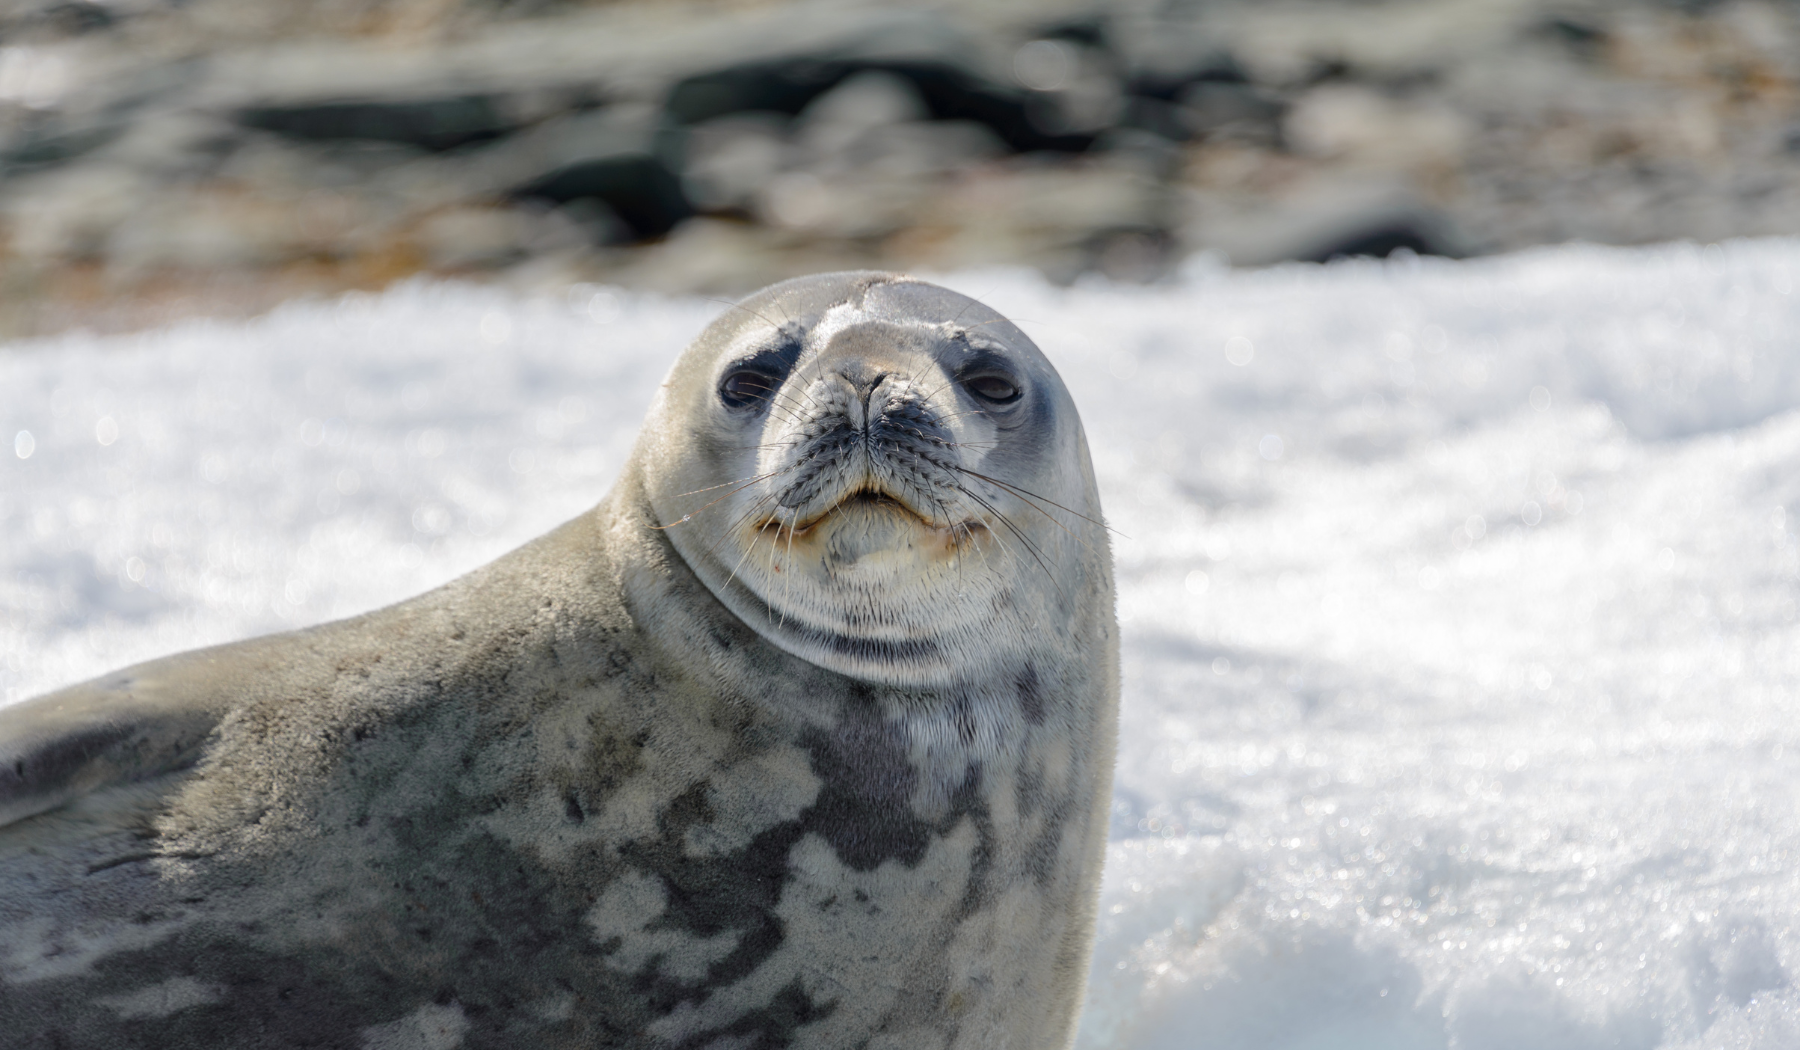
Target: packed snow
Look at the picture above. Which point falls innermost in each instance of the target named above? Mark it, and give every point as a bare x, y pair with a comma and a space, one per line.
1459, 600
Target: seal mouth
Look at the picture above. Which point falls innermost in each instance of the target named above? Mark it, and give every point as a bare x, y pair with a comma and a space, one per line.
870, 499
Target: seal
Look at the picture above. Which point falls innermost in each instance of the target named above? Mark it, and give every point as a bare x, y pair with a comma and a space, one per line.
801, 738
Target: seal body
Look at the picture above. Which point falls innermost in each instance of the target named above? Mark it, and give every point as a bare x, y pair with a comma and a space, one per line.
802, 738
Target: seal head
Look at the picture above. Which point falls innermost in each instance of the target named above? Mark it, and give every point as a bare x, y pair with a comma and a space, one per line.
874, 473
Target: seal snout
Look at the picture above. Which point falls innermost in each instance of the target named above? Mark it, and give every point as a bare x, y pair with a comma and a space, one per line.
867, 433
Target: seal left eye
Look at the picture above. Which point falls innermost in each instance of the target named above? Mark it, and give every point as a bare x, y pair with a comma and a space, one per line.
997, 389
747, 388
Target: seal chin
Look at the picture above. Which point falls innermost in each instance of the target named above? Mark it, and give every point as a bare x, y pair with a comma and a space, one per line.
869, 523
866, 585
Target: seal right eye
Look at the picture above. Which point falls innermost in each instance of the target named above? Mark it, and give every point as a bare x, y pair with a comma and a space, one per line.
747, 388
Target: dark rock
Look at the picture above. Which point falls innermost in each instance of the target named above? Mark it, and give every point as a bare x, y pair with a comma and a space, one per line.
1383, 240
1160, 118
955, 94
79, 16
55, 147
1581, 37
1169, 84
432, 124
774, 87
636, 187
55, 21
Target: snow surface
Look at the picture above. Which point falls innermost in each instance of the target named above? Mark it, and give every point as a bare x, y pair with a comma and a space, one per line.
1459, 600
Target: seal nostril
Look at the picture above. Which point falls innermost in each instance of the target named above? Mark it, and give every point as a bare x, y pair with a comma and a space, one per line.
864, 383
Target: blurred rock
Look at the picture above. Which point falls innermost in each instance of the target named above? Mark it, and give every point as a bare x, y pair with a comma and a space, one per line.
1225, 109
950, 91
1361, 127
731, 159
44, 149
168, 148
433, 124
467, 237
634, 185
834, 122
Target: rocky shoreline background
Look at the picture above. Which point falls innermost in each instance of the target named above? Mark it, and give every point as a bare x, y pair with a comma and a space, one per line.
161, 157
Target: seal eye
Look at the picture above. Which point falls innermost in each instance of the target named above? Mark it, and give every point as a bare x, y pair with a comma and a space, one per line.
747, 388
998, 389
751, 381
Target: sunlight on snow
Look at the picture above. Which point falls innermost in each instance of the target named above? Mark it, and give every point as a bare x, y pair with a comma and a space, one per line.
1458, 600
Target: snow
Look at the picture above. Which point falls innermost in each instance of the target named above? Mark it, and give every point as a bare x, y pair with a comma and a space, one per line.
1459, 600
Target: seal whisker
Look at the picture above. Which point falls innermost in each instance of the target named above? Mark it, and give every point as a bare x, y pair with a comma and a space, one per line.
754, 539
999, 320
954, 380
938, 390
796, 378
793, 404
999, 539
771, 398
1026, 492
974, 300
959, 415
761, 502
788, 586
771, 324
1022, 499
729, 305
1036, 555
759, 448
752, 481
731, 528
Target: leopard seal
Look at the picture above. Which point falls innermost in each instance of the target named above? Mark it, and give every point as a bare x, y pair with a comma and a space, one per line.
801, 738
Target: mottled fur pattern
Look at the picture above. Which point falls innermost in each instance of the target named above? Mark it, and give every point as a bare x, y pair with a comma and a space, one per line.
570, 800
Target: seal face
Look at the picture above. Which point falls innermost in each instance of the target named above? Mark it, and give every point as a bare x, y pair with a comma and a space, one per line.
801, 738
880, 484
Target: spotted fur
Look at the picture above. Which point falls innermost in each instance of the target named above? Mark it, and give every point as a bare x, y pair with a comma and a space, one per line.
575, 799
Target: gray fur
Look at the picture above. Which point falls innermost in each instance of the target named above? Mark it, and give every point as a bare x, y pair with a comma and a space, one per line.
573, 799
